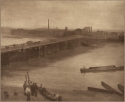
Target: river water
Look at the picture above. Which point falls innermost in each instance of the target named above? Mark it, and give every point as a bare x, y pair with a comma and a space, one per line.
65, 73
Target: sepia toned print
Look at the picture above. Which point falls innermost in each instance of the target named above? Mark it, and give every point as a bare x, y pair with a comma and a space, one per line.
62, 50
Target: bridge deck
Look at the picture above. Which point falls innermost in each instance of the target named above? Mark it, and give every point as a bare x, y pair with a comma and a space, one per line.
26, 46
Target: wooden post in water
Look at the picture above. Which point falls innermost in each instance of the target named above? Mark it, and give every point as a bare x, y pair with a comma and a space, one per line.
8, 57
44, 51
52, 51
39, 48
27, 55
5, 60
21, 55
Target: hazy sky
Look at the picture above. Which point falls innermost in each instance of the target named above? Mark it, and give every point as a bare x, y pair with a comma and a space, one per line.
73, 14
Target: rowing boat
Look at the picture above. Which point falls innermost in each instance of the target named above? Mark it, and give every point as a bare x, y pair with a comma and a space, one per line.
50, 96
106, 86
121, 88
100, 90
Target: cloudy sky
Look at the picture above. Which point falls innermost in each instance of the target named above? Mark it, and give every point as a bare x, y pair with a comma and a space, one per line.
73, 14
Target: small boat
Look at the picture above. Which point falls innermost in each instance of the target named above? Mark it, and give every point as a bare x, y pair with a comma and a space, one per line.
102, 69
100, 90
50, 96
106, 86
121, 88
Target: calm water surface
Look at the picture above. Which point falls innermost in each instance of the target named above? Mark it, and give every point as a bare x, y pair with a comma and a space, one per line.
66, 73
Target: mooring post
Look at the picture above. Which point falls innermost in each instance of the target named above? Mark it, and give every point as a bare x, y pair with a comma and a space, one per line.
44, 51
27, 55
52, 50
39, 48
21, 55
8, 59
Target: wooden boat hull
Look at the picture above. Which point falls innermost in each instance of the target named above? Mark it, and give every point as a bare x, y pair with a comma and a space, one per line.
121, 88
106, 86
49, 95
102, 69
99, 90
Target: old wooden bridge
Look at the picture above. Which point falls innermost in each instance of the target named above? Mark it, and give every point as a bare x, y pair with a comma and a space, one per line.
26, 51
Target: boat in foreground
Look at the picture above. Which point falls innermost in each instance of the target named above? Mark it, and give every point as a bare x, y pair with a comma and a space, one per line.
106, 86
121, 88
50, 96
99, 90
